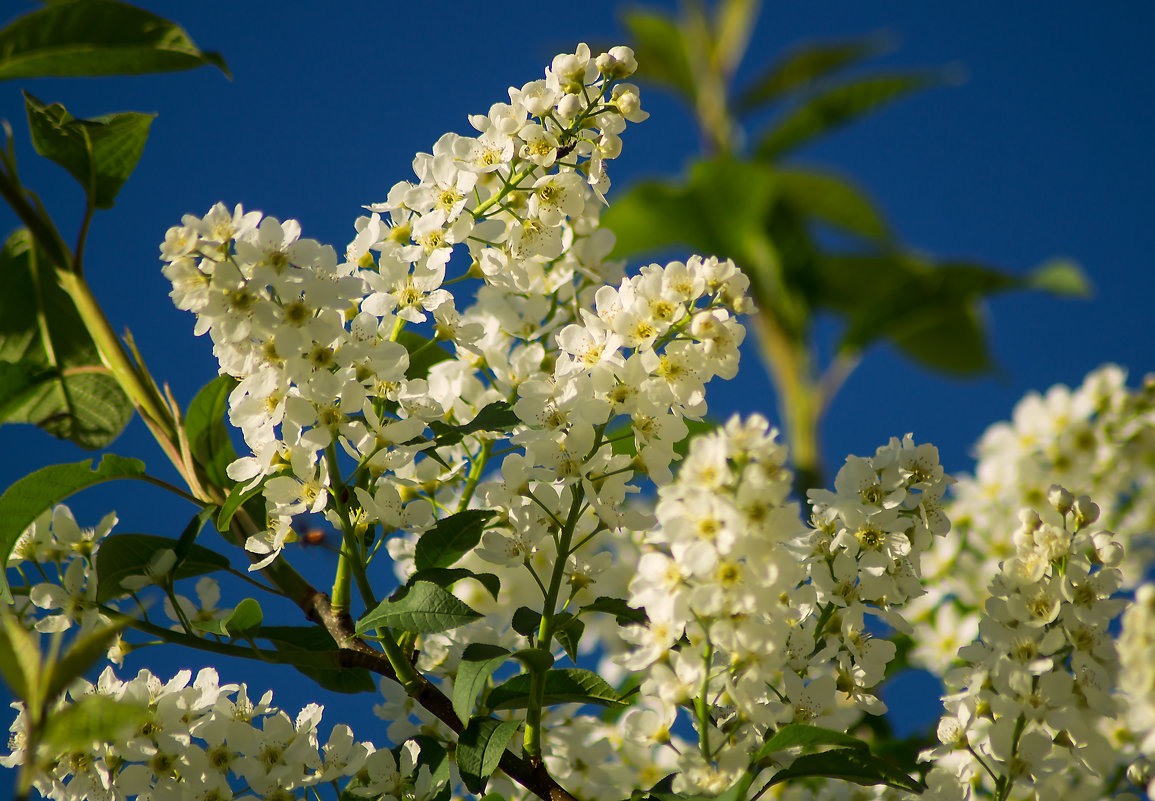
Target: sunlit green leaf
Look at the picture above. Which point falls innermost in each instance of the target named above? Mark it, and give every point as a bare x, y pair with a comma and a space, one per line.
562, 686
661, 51
99, 153
86, 651
851, 765
92, 719
420, 608
20, 664
795, 735
450, 539
96, 37
833, 200
478, 662
1062, 277
51, 372
245, 617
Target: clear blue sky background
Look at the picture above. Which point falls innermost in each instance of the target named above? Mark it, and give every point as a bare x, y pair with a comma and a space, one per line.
1044, 150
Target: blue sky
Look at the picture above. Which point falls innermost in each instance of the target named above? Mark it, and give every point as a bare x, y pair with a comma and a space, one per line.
1044, 149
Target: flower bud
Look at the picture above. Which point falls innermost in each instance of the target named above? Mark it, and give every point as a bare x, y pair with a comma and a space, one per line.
618, 63
1061, 499
1086, 511
1109, 552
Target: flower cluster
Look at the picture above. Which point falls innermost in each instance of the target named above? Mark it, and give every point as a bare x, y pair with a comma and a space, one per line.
1098, 440
1025, 713
201, 739
1137, 681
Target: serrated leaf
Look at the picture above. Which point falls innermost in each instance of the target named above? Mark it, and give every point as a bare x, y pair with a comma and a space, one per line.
431, 754
423, 354
568, 630
245, 617
622, 611
562, 686
207, 431
1062, 277
54, 377
124, 555
96, 37
794, 735
851, 765
660, 48
91, 719
803, 66
479, 750
420, 608
496, 416
478, 662
839, 106
448, 576
99, 153
37, 492
833, 200
450, 539
312, 651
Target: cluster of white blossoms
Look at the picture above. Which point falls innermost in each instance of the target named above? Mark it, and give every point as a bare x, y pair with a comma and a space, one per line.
1025, 714
1137, 681
755, 621
201, 741
1096, 440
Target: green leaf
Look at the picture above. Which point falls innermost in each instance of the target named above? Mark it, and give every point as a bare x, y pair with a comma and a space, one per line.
37, 492
801, 67
423, 354
569, 630
124, 555
96, 37
446, 577
313, 652
478, 661
851, 765
497, 416
20, 664
840, 106
537, 660
207, 431
238, 496
99, 153
479, 750
92, 719
50, 371
245, 616
660, 48
191, 531
420, 608
526, 621
562, 686
834, 201
85, 652
1063, 277
450, 539
626, 615
794, 735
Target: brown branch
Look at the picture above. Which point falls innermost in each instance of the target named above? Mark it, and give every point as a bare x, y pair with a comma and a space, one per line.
355, 653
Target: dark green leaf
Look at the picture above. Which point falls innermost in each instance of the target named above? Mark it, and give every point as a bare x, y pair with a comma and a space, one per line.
99, 153
450, 539
38, 492
92, 719
96, 37
53, 376
840, 106
848, 764
420, 608
448, 576
661, 51
314, 653
85, 652
423, 354
191, 531
562, 686
478, 662
526, 621
20, 664
207, 431
124, 555
568, 630
237, 498
793, 735
799, 69
537, 660
497, 416
625, 614
833, 200
245, 616
479, 750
